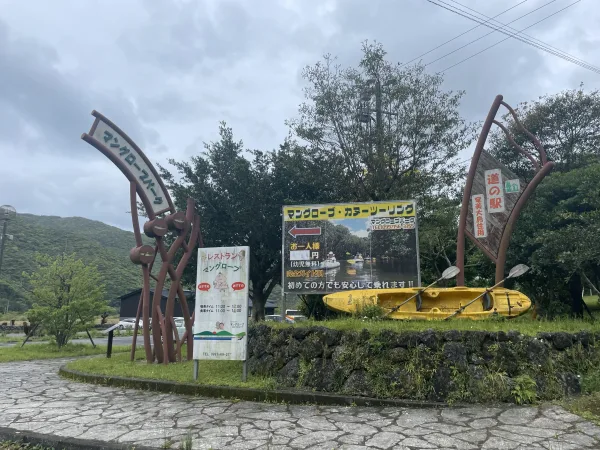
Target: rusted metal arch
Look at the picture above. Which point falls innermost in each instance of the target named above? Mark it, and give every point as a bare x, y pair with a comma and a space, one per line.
541, 171
165, 349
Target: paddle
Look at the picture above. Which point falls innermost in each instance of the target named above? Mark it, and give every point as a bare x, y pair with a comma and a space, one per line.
450, 272
515, 272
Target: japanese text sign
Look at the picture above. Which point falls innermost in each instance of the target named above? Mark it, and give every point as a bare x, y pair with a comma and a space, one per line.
350, 211
494, 191
119, 147
329, 248
221, 313
494, 194
479, 218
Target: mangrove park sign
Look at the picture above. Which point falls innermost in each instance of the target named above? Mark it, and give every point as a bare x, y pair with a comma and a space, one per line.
338, 247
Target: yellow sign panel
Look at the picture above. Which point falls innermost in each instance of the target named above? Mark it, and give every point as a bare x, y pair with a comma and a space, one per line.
349, 211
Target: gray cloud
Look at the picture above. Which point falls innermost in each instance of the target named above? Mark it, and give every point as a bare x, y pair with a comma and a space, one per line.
167, 71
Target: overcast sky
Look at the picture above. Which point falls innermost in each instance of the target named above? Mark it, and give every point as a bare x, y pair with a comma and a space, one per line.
167, 71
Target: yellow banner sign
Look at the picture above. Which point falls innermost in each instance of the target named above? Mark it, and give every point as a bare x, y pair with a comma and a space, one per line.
349, 211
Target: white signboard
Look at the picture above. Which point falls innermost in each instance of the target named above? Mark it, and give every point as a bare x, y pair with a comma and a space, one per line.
119, 147
479, 219
494, 190
221, 320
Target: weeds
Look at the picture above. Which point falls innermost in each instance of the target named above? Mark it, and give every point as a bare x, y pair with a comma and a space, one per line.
187, 443
524, 390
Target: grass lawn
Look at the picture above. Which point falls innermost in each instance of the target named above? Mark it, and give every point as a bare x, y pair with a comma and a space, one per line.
524, 324
48, 351
7, 445
592, 302
20, 339
216, 373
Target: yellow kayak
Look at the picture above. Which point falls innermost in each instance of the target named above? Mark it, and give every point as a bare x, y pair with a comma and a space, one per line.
434, 303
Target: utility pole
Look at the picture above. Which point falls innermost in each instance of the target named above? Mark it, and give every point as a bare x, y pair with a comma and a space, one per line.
3, 241
378, 117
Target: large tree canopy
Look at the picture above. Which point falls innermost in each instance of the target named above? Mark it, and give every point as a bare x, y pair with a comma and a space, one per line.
239, 195
567, 124
558, 235
557, 232
389, 132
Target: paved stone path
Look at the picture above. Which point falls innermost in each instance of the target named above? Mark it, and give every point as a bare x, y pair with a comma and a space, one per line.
33, 397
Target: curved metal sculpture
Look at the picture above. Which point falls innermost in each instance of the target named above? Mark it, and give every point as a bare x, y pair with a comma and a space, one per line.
496, 245
164, 345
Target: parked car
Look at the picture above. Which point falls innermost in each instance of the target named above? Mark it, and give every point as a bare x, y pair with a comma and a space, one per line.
293, 315
273, 318
128, 323
180, 325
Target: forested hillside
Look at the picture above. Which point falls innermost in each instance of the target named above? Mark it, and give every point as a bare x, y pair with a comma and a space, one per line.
94, 242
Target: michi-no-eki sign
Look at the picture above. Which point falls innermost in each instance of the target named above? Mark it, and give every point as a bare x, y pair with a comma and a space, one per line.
494, 194
337, 247
221, 314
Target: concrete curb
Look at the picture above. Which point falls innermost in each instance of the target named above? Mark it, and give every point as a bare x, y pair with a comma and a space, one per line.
61, 443
249, 394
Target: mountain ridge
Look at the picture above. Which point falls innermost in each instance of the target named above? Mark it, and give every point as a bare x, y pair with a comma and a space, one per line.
95, 242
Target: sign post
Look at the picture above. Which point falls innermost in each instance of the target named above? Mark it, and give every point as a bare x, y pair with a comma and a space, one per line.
338, 247
221, 324
146, 184
494, 196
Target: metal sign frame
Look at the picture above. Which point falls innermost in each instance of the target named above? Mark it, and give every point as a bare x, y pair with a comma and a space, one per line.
541, 166
167, 343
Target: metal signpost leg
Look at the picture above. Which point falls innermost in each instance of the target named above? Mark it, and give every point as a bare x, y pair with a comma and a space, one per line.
90, 337
110, 341
30, 334
245, 371
196, 367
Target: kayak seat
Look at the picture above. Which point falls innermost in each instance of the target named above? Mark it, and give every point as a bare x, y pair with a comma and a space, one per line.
419, 302
487, 302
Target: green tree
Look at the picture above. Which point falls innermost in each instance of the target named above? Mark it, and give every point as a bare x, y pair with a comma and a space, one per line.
388, 132
67, 296
558, 235
567, 124
239, 194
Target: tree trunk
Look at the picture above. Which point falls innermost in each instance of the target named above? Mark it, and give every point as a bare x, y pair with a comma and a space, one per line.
258, 304
575, 288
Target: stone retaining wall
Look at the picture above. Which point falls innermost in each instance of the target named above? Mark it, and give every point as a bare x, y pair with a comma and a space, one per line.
451, 366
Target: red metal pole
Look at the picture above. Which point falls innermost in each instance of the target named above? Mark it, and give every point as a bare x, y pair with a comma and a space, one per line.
508, 229
462, 224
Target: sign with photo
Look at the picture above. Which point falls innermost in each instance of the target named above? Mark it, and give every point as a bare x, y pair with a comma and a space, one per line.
339, 247
221, 314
